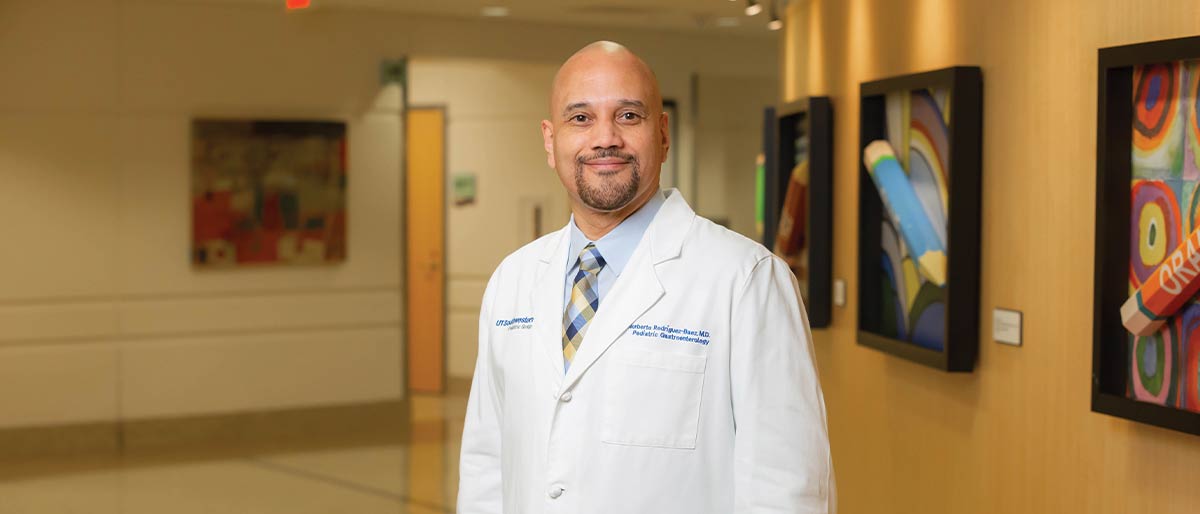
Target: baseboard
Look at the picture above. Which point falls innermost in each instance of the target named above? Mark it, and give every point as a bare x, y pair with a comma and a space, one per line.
76, 441
216, 435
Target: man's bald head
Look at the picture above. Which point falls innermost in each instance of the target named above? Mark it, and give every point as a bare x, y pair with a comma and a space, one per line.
602, 56
607, 135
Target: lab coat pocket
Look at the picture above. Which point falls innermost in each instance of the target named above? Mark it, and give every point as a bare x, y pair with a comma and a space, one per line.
653, 399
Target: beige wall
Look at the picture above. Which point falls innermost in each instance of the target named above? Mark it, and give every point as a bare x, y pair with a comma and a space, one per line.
728, 138
1017, 435
101, 316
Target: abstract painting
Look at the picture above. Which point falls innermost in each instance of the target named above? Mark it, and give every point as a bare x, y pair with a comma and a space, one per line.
920, 140
1165, 166
799, 187
1146, 322
268, 192
918, 128
790, 241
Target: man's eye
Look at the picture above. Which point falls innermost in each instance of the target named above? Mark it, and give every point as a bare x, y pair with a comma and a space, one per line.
579, 118
629, 116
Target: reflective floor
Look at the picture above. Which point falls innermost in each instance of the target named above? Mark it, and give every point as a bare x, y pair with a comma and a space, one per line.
417, 474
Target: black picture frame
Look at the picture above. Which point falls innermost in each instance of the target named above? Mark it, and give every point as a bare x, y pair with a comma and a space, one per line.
965, 137
1114, 172
812, 116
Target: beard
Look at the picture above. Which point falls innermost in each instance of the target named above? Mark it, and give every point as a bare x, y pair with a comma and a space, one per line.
611, 193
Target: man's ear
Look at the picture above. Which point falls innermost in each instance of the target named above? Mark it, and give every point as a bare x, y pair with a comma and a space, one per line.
548, 141
665, 129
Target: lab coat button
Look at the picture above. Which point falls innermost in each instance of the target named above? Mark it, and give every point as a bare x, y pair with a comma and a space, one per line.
555, 492
566, 397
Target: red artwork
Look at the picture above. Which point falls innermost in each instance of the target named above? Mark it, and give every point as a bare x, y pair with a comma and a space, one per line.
268, 192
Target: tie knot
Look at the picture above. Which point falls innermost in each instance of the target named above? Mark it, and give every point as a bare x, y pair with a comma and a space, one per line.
590, 259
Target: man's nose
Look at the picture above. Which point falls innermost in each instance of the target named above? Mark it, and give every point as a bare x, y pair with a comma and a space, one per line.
608, 135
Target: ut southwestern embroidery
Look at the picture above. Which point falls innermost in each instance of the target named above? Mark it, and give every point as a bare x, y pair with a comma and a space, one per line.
670, 333
522, 323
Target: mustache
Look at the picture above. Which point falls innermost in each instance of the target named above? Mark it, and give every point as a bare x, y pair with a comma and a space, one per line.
606, 153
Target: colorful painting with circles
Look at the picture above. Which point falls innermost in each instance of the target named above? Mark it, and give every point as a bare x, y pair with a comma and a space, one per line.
1165, 209
918, 129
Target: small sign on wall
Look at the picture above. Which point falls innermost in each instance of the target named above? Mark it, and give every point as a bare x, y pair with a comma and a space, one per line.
1006, 326
839, 292
464, 189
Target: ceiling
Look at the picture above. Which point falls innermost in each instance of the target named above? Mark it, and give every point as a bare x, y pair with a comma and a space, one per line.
704, 16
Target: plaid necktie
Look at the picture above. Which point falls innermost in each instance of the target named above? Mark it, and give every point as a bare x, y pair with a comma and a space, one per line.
585, 301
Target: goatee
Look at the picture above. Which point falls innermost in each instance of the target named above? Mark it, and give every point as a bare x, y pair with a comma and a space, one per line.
610, 194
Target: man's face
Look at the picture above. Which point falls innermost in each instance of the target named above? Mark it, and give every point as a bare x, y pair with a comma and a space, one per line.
607, 136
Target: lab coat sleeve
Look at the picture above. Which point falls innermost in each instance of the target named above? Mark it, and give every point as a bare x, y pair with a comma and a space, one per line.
781, 444
480, 489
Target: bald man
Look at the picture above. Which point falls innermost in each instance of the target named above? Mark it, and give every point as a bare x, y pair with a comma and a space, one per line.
641, 360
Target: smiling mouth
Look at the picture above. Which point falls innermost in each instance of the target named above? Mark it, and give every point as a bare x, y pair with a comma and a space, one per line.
606, 166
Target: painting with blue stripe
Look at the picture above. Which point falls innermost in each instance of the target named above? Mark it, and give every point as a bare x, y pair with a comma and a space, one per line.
914, 300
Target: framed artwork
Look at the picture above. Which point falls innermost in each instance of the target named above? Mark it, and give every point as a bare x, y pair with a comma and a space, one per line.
268, 192
1146, 334
797, 203
920, 140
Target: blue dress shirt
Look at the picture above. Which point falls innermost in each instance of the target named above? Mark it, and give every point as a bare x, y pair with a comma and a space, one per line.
616, 247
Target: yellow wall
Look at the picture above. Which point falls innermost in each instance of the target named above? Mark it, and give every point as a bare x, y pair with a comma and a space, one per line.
1017, 435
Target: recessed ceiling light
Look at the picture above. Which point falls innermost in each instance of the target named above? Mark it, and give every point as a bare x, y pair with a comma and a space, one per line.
727, 21
494, 11
753, 7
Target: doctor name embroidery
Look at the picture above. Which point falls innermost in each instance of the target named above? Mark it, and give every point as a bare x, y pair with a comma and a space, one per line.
670, 333
524, 323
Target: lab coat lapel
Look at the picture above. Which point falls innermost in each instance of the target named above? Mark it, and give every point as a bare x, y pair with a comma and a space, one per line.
547, 300
638, 288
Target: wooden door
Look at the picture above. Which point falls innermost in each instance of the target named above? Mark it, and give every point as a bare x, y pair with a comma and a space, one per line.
425, 257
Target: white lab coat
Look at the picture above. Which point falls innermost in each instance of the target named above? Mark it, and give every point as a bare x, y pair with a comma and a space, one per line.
693, 392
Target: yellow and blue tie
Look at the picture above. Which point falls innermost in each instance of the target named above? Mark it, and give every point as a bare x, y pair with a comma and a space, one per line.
585, 301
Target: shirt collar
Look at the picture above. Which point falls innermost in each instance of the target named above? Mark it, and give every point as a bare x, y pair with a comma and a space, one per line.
618, 245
